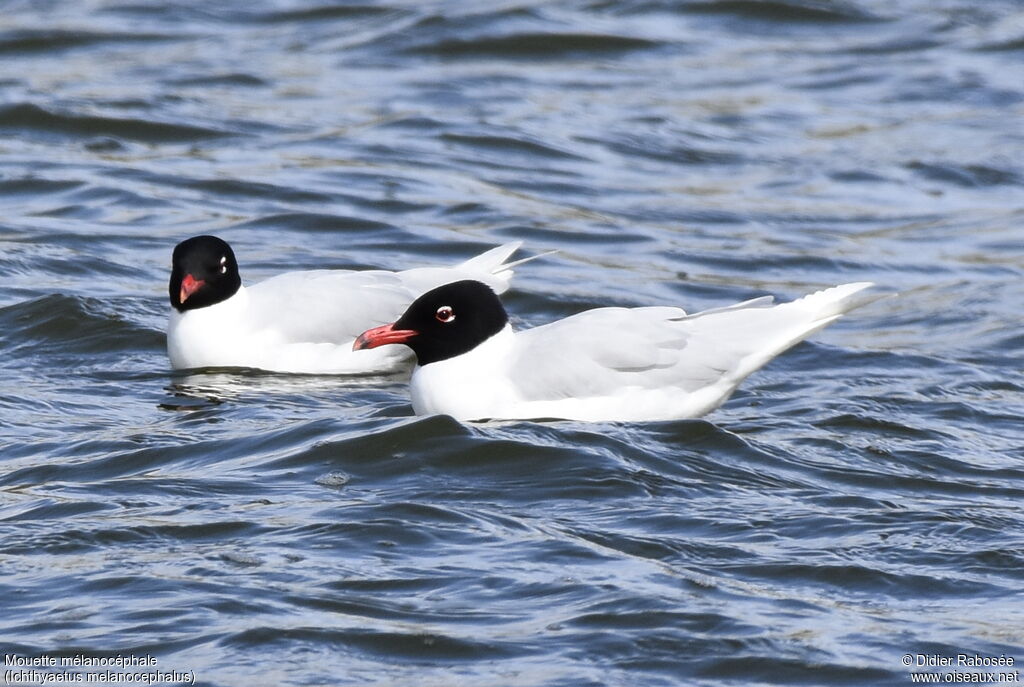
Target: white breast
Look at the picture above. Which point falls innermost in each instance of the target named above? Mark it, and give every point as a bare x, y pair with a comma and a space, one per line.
210, 337
470, 386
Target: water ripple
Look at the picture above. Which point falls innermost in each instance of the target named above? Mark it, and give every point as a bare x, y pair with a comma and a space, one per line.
26, 118
856, 500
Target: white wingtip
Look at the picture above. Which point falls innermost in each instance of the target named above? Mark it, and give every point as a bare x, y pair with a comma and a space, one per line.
492, 260
493, 263
838, 300
523, 261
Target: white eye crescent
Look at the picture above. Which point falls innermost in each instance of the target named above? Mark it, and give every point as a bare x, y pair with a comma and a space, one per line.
445, 314
223, 266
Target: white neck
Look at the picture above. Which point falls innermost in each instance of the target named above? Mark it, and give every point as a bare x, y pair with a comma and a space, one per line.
461, 386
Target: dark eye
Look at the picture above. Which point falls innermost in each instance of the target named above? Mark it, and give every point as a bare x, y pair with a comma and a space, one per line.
445, 314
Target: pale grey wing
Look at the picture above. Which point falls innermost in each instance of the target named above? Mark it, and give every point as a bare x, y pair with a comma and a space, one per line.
603, 351
599, 352
328, 306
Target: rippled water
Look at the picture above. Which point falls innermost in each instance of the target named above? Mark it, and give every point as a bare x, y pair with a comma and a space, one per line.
857, 500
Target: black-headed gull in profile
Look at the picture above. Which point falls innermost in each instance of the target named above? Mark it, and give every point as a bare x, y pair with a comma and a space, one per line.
302, 322
608, 364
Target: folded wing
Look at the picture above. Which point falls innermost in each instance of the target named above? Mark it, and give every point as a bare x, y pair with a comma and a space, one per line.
625, 352
335, 306
327, 306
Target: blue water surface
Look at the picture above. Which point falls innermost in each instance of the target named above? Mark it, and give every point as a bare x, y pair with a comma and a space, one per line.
857, 503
